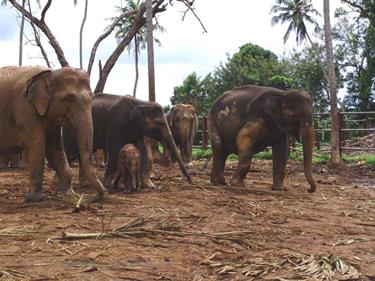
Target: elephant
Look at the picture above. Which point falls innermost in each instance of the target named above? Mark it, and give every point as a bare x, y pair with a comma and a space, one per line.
35, 102
183, 122
123, 119
247, 119
129, 168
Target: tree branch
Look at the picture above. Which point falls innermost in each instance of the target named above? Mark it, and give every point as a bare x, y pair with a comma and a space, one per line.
45, 9
105, 35
138, 23
189, 5
37, 39
45, 29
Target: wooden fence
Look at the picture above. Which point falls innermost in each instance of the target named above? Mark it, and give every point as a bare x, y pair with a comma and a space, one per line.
352, 125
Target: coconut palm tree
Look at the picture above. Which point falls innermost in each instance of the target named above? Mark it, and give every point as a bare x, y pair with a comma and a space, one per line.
139, 40
297, 13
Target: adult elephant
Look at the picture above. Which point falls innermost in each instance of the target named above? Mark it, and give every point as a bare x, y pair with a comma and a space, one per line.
123, 119
34, 103
183, 122
247, 119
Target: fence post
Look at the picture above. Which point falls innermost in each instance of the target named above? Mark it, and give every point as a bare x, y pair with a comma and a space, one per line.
204, 132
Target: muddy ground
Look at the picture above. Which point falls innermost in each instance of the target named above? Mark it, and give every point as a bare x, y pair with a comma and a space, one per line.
196, 232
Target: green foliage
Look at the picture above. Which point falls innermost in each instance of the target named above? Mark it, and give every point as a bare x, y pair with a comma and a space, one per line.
355, 36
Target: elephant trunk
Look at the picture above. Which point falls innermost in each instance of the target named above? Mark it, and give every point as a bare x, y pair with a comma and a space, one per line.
308, 142
84, 133
171, 146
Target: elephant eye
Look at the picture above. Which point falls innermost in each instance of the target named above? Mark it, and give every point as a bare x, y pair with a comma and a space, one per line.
70, 97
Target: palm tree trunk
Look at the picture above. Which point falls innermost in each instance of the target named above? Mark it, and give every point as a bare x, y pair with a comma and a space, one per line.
81, 34
21, 36
335, 128
150, 51
136, 52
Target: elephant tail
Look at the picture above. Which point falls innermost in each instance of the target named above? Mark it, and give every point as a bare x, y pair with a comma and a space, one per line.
206, 164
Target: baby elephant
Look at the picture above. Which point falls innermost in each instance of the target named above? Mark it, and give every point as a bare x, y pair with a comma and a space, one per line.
129, 168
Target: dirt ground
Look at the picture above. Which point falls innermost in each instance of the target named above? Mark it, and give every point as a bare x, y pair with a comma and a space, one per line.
196, 232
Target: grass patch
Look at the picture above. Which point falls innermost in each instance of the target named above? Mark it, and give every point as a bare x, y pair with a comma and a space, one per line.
368, 159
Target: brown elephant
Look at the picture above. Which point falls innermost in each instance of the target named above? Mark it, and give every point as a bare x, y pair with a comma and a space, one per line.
247, 119
129, 168
183, 122
35, 102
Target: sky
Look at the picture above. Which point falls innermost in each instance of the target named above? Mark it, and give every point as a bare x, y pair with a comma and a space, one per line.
185, 48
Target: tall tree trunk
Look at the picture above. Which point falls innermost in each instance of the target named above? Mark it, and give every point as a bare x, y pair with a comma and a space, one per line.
20, 53
150, 51
81, 34
335, 127
136, 50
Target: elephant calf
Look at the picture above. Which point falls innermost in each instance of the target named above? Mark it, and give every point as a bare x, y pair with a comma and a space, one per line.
129, 168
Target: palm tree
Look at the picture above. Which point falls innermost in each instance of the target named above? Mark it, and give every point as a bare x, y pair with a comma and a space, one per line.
297, 13
139, 40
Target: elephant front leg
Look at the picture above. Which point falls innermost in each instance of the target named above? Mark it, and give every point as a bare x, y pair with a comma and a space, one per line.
35, 155
279, 159
113, 150
243, 168
57, 158
145, 170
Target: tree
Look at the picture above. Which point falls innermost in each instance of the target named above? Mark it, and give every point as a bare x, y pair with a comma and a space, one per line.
335, 160
20, 53
355, 34
81, 33
150, 52
297, 13
139, 40
157, 6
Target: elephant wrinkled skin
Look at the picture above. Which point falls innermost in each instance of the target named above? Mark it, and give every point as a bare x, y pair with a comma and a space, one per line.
34, 103
247, 119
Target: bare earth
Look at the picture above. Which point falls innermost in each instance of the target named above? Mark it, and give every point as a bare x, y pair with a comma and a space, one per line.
196, 232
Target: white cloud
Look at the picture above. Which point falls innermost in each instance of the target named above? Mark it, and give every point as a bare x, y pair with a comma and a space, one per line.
185, 48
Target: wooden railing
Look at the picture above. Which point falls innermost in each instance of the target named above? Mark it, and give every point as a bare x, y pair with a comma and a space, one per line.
349, 129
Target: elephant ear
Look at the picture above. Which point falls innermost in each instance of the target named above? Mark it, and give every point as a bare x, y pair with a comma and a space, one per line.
273, 109
38, 91
137, 115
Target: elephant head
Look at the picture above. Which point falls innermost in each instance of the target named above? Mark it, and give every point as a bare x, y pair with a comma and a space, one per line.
292, 113
151, 121
64, 98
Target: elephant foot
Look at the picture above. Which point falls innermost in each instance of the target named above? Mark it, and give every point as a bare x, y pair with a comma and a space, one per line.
35, 196
279, 188
83, 182
100, 165
218, 180
149, 184
237, 182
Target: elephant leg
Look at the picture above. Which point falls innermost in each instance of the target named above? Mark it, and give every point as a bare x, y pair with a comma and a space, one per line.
99, 158
83, 182
217, 174
116, 180
279, 159
113, 150
35, 152
145, 171
244, 162
57, 159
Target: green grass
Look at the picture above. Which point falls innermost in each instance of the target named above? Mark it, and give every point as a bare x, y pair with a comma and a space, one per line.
365, 158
